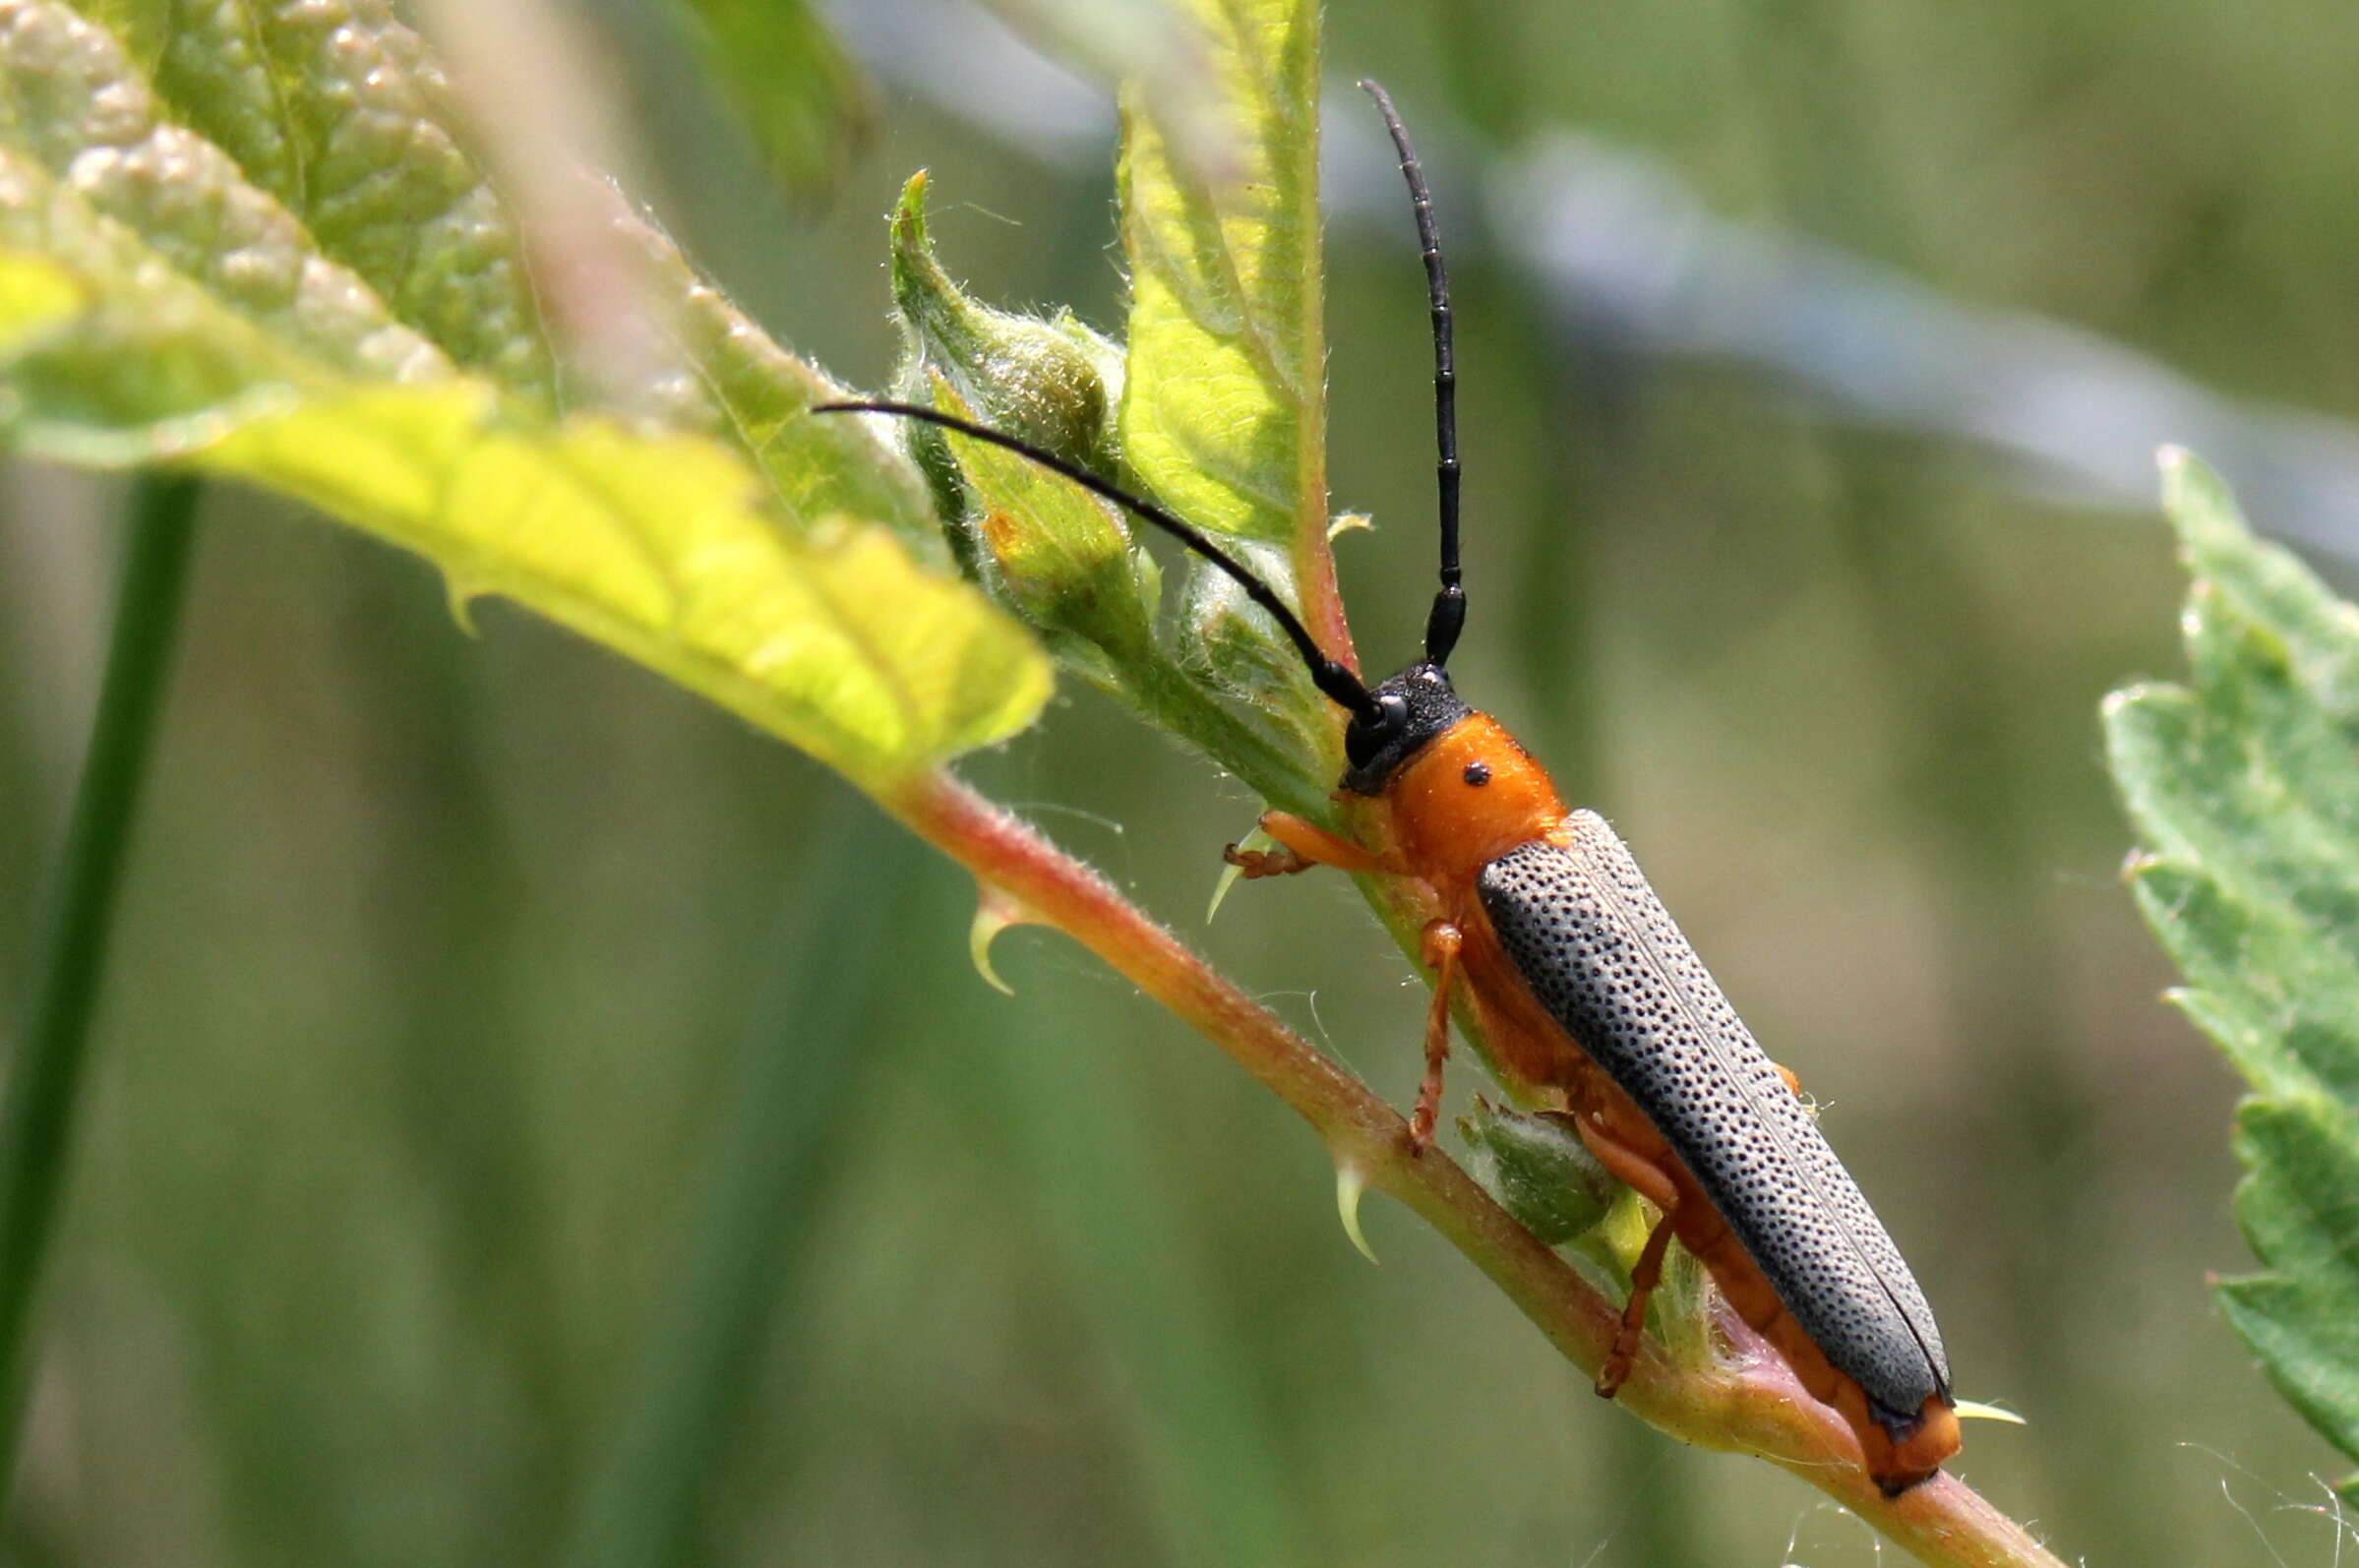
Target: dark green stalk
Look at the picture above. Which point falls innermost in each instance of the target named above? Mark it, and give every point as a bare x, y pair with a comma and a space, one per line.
37, 1118
756, 1210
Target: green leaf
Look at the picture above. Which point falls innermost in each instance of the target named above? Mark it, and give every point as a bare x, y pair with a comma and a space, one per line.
157, 306
334, 111
1222, 413
1061, 554
2245, 787
1062, 557
342, 149
2300, 1207
203, 288
805, 102
738, 384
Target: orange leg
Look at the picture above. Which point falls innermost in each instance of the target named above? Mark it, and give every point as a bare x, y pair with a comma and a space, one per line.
1628, 1166
1302, 846
1644, 1275
1655, 1184
1440, 946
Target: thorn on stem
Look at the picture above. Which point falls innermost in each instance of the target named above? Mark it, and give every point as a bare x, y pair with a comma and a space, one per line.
1234, 869
995, 912
1350, 1181
1975, 1410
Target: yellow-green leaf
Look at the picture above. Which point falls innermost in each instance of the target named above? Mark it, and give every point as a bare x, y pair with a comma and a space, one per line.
837, 640
1060, 553
1223, 412
37, 297
156, 305
1224, 402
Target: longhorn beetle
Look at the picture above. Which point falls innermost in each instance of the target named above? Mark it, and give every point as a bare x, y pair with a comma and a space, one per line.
1592, 1000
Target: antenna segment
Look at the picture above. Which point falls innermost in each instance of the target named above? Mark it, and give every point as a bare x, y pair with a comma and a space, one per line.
1448, 617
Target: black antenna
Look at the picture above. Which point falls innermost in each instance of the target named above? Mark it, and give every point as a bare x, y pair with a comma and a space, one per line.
1338, 682
1448, 617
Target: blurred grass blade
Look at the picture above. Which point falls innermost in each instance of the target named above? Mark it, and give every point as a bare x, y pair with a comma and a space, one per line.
806, 101
2245, 788
46, 1069
1202, 1417
213, 327
751, 1229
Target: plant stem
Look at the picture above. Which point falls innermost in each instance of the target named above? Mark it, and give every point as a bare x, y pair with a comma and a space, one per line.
1747, 1401
36, 1117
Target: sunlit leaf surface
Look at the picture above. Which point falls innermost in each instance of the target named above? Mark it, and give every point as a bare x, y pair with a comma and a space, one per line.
161, 303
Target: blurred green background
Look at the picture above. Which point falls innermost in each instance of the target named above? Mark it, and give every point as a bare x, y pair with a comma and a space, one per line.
447, 961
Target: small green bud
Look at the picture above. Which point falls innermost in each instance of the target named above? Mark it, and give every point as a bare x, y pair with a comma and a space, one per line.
1538, 1170
1044, 381
1057, 554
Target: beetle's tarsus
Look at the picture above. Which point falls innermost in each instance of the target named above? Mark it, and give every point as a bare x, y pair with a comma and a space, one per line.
1253, 863
1644, 1275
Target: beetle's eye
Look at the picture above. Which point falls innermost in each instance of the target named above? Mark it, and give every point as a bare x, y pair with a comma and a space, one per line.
1376, 729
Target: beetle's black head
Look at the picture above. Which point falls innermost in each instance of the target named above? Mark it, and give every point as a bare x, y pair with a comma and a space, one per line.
1403, 712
